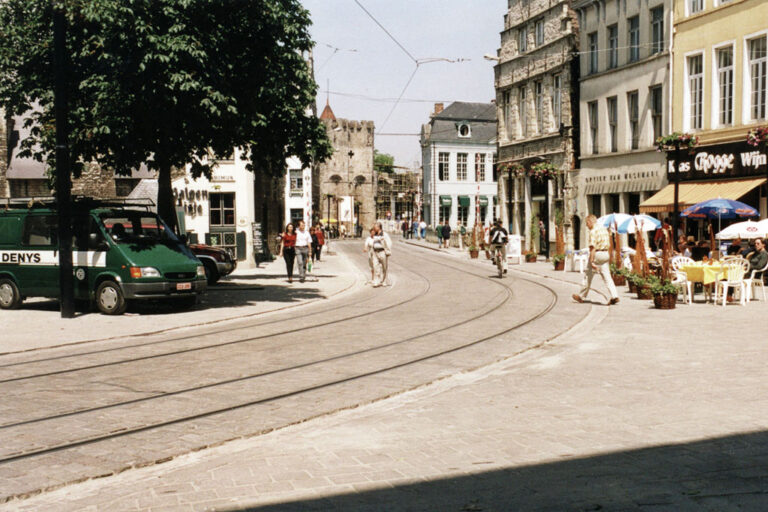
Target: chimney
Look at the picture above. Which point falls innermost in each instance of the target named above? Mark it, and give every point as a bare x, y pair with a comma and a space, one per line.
438, 108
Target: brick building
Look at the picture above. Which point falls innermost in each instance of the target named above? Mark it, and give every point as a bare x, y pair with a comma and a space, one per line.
536, 81
344, 186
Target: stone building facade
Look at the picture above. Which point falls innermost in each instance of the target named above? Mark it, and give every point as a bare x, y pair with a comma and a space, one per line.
4, 192
344, 186
624, 102
536, 81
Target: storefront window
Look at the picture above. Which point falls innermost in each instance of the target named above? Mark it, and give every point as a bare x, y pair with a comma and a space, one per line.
222, 209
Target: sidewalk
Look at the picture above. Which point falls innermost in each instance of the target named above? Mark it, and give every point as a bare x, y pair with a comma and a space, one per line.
244, 293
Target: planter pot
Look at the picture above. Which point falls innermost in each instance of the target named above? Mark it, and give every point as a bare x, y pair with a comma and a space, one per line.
474, 254
644, 292
530, 258
619, 280
665, 300
632, 287
560, 265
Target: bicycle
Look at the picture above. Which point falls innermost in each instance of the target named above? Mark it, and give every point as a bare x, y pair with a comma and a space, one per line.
498, 259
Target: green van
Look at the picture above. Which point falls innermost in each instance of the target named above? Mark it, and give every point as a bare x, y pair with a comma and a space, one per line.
119, 254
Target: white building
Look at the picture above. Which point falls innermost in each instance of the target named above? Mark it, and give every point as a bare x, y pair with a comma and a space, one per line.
298, 192
458, 149
623, 102
221, 211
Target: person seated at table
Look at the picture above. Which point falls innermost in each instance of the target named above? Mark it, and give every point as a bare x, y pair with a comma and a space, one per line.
735, 248
759, 257
748, 249
683, 250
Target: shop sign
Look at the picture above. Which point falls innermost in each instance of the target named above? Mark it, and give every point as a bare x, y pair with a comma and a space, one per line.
735, 160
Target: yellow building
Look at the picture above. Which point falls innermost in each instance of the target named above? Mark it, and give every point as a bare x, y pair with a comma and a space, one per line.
719, 91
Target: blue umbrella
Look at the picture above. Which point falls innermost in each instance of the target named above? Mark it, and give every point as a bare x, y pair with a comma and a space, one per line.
639, 222
613, 219
719, 209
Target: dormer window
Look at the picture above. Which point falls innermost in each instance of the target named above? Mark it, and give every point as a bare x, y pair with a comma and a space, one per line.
464, 131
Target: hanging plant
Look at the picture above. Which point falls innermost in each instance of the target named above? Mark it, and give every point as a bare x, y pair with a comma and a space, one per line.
677, 141
757, 136
543, 171
514, 169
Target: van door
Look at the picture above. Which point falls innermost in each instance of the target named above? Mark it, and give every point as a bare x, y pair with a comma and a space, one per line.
89, 256
40, 265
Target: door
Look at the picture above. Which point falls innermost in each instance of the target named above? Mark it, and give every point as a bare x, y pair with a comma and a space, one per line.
39, 239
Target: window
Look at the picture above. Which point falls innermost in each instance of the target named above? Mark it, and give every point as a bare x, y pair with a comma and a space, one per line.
540, 32
594, 204
695, 91
297, 183
480, 166
464, 131
613, 46
462, 214
523, 112
593, 52
222, 209
557, 99
442, 167
633, 111
724, 57
445, 213
522, 40
40, 230
612, 122
758, 75
461, 166
507, 106
633, 38
538, 90
656, 112
657, 30
592, 108
695, 6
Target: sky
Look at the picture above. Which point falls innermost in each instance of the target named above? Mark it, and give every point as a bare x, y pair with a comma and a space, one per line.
378, 69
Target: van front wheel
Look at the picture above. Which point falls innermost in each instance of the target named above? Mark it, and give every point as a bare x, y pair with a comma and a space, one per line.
10, 297
110, 299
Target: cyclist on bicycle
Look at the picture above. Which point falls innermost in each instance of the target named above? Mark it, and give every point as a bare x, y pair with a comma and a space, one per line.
498, 237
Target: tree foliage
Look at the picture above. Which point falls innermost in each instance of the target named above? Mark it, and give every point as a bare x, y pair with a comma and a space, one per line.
383, 162
165, 82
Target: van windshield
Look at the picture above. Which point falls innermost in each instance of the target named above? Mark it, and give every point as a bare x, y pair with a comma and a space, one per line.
137, 227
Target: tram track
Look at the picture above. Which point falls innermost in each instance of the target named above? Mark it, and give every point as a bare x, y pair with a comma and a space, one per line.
21, 455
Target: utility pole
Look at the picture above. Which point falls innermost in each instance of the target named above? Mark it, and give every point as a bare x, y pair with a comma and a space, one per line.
63, 173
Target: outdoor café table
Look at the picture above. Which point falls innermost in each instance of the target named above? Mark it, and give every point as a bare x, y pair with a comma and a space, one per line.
700, 272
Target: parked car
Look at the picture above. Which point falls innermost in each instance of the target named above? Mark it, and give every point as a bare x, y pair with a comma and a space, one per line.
119, 254
217, 261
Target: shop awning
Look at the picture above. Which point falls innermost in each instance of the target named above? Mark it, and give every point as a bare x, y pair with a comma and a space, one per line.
692, 193
482, 200
464, 201
446, 201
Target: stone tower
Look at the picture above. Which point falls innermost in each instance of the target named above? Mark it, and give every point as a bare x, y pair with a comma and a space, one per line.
347, 174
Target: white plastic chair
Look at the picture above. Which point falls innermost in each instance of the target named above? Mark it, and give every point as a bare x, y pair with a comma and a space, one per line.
580, 258
733, 271
681, 278
754, 280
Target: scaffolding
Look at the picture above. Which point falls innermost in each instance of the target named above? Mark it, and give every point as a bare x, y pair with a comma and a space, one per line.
398, 193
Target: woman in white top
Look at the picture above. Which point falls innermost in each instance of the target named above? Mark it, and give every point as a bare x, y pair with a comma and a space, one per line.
368, 248
303, 249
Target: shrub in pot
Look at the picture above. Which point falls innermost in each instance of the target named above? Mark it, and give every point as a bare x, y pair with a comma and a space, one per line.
558, 260
619, 275
664, 294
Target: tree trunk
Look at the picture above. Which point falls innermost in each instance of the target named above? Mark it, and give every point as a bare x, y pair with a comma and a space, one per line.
166, 206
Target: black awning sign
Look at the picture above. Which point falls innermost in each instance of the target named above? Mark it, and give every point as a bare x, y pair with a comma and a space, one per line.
736, 160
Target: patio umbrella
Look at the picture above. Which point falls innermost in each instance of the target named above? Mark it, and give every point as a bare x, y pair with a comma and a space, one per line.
609, 220
746, 229
719, 209
639, 222
763, 227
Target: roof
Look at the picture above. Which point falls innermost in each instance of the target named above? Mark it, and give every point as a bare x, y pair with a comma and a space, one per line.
463, 111
444, 127
328, 113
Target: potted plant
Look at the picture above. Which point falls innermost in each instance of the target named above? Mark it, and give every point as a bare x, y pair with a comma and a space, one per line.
677, 141
664, 294
632, 280
559, 258
543, 171
530, 256
474, 252
645, 287
619, 275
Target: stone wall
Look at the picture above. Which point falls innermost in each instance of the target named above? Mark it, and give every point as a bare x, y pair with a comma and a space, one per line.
4, 191
346, 174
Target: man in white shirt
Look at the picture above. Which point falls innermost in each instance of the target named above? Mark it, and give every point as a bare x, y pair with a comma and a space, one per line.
303, 249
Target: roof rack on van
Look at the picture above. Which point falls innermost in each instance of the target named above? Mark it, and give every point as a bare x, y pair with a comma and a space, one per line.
49, 201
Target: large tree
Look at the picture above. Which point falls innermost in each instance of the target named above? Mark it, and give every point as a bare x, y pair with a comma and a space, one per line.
165, 82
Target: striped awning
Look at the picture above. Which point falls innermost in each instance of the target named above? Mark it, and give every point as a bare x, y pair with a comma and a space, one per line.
696, 192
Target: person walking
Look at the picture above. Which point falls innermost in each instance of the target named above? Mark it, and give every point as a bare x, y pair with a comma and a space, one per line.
387, 253
439, 233
404, 227
303, 249
368, 249
462, 234
320, 236
598, 260
446, 232
288, 249
415, 228
423, 229
379, 249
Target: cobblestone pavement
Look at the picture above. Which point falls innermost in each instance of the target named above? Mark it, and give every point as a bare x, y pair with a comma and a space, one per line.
246, 292
75, 413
